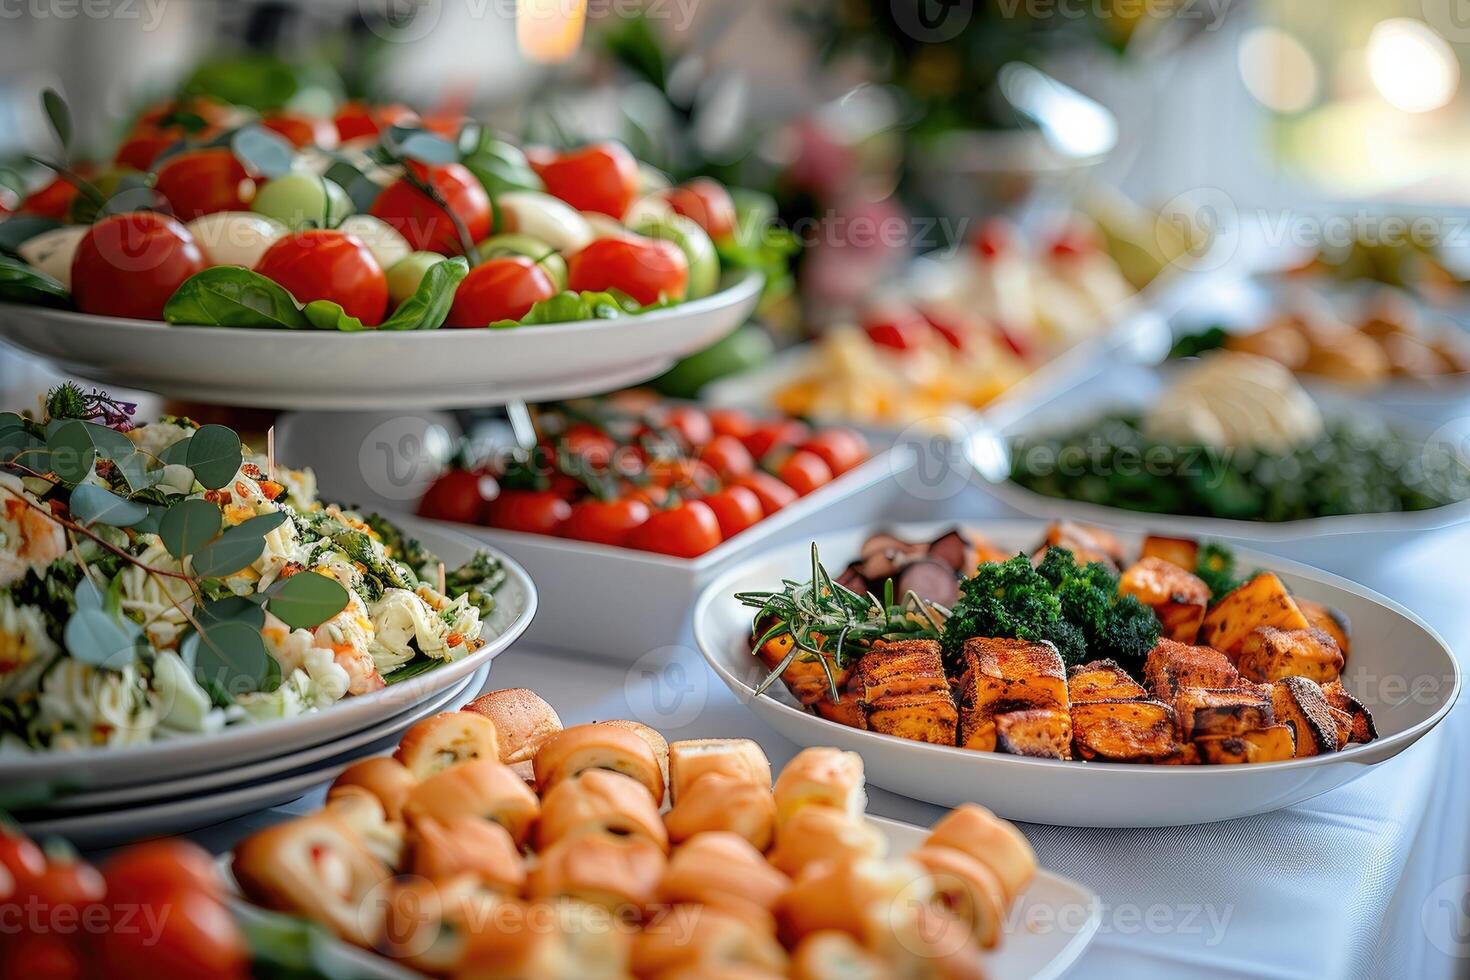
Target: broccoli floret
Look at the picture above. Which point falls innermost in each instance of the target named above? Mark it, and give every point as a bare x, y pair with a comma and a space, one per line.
1008, 598
1215, 565
1131, 631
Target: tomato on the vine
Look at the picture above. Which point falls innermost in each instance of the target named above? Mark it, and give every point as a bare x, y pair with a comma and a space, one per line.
708, 203
330, 265
804, 472
841, 449
647, 269
501, 289
22, 860
355, 120
130, 264
691, 424
201, 182
729, 457
42, 956
424, 221
601, 177
141, 870
197, 937
687, 530
532, 511
303, 130
774, 434
458, 495
736, 508
50, 201
605, 521
731, 422
771, 492
588, 447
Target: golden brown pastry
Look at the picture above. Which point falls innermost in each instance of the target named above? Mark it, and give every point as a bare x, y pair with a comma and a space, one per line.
926, 940
523, 720
716, 801
724, 871
740, 758
822, 777
704, 939
428, 922
967, 888
833, 955
857, 896
600, 801
485, 789
621, 874
436, 743
545, 941
387, 779
603, 746
993, 842
315, 867
466, 844
822, 833
655, 741
363, 812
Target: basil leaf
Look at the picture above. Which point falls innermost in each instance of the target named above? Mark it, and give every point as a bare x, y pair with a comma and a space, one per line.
58, 115
232, 656
323, 314
20, 283
501, 167
428, 307
16, 231
410, 670
188, 526
228, 296
568, 306
93, 505
214, 455
95, 638
306, 599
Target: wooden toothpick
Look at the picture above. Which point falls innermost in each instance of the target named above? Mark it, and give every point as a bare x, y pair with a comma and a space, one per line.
270, 454
442, 590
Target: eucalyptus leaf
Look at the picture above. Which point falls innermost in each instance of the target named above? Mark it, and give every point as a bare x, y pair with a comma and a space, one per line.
72, 454
20, 442
232, 655
138, 469
152, 521
177, 454
189, 525
260, 525
214, 455
95, 638
233, 608
266, 152
93, 505
428, 148
109, 443
227, 554
87, 595
228, 296
59, 116
20, 283
306, 600
428, 307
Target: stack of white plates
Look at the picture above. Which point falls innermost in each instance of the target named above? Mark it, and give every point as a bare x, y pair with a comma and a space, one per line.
99, 797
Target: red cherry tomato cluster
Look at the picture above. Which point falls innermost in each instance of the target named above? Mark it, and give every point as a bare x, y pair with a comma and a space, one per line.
643, 474
427, 220
153, 911
600, 177
706, 202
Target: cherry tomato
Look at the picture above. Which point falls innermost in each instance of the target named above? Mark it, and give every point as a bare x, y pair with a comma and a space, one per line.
356, 119
729, 457
130, 264
840, 449
165, 865
605, 521
185, 933
67, 882
775, 434
736, 508
647, 269
804, 472
205, 181
532, 511
141, 149
898, 327
691, 424
324, 264
731, 422
501, 289
588, 447
651, 494
771, 492
459, 495
51, 201
303, 130
424, 222
22, 860
690, 477
685, 531
42, 956
708, 203
602, 177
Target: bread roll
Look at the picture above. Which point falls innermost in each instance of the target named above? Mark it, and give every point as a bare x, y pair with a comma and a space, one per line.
724, 871
363, 813
620, 874
546, 941
852, 895
387, 779
600, 801
832, 955
821, 833
315, 867
993, 842
703, 939
703, 971
522, 721
925, 940
467, 844
444, 740
715, 801
967, 888
603, 746
652, 738
821, 777
428, 921
485, 789
739, 758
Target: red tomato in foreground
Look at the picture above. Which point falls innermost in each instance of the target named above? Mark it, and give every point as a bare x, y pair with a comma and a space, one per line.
804, 472
355, 120
708, 203
21, 859
205, 181
459, 495
771, 492
605, 521
840, 449
130, 264
302, 130
166, 865
647, 269
425, 223
685, 531
331, 265
774, 434
729, 457
736, 508
532, 511
51, 201
731, 422
501, 289
186, 932
602, 177
70, 882
41, 956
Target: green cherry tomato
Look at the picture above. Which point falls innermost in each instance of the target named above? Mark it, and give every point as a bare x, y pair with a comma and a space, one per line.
302, 200
533, 248
698, 248
406, 274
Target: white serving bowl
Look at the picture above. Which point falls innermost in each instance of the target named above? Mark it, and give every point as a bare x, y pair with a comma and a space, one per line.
1399, 668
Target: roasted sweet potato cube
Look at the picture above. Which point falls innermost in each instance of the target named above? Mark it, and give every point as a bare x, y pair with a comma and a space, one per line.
1042, 733
1332, 621
1004, 675
1300, 704
846, 710
1087, 543
1183, 552
1269, 654
807, 682
1344, 723
1172, 665
1273, 743
1178, 598
1102, 680
906, 693
1228, 712
1126, 731
1363, 729
928, 717
1262, 601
